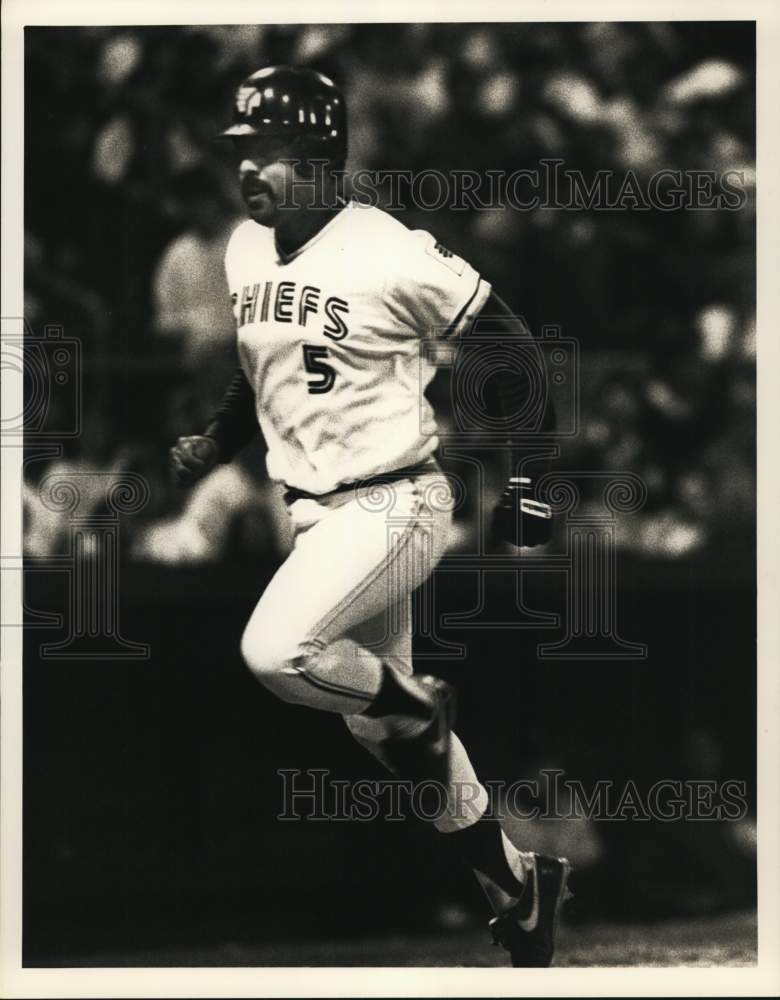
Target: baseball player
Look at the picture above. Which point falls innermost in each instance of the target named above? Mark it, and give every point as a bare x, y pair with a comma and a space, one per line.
333, 301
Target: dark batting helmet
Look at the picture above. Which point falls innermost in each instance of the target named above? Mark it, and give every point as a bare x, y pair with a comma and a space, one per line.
293, 102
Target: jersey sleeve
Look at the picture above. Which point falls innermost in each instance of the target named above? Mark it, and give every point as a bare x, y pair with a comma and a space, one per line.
432, 290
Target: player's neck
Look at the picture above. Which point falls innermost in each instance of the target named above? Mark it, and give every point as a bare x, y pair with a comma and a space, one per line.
300, 227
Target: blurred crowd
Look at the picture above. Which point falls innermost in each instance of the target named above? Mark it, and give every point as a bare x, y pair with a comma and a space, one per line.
129, 202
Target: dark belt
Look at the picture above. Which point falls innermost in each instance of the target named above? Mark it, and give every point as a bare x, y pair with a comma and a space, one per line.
292, 493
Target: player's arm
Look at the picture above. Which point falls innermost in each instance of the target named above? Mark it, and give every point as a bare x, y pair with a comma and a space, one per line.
522, 516
233, 426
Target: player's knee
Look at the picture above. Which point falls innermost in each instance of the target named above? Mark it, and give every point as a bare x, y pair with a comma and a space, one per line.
261, 654
272, 659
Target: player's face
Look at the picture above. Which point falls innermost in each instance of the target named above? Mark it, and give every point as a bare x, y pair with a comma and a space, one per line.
266, 179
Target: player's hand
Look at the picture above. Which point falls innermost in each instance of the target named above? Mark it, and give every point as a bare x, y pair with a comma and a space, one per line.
519, 518
191, 458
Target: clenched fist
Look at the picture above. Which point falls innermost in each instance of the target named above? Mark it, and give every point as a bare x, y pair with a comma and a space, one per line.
191, 458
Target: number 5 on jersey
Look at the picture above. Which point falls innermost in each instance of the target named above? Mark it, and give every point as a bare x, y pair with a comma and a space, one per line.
312, 360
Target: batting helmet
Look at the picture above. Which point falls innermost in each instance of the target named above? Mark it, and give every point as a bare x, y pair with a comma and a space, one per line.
292, 102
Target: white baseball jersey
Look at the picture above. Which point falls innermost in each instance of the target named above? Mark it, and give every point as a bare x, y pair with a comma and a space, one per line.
330, 340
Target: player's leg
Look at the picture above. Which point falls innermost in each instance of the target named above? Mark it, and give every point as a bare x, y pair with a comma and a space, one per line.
346, 570
464, 816
464, 819
355, 561
516, 883
386, 635
525, 890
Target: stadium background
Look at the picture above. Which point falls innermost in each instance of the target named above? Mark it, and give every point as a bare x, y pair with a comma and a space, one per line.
151, 785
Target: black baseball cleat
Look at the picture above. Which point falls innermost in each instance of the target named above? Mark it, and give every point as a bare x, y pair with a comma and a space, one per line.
528, 930
426, 757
